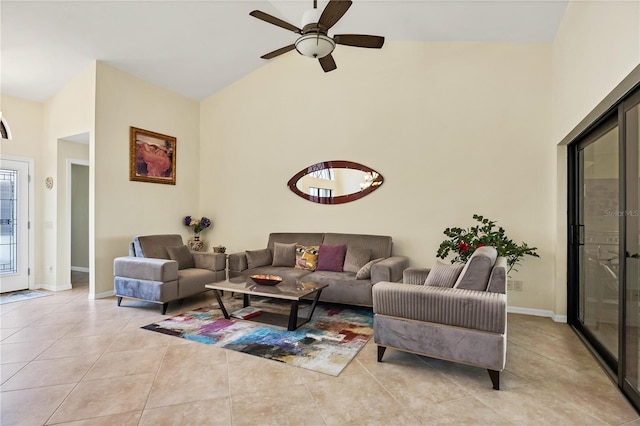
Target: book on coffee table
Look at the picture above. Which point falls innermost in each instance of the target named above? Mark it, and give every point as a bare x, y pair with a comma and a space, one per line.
246, 312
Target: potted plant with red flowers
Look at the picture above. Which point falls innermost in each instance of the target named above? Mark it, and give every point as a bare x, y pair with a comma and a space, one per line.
463, 242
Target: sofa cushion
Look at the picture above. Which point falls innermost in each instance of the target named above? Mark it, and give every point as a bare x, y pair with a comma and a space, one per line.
365, 272
306, 257
331, 257
284, 254
257, 258
498, 277
356, 258
343, 288
380, 245
155, 246
443, 274
476, 272
304, 238
192, 281
182, 255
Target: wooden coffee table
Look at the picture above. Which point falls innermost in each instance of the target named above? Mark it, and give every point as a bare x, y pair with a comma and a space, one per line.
293, 291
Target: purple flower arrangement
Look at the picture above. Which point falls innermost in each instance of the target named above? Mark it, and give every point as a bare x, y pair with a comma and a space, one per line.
198, 225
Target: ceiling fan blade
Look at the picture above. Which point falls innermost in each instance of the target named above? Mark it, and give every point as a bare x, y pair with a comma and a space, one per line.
327, 63
359, 40
275, 21
278, 52
333, 12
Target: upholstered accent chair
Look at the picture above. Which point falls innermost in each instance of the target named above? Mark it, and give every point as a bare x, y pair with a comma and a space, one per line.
460, 318
161, 269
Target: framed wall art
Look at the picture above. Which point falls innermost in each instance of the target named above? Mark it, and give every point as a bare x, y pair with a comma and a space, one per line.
152, 157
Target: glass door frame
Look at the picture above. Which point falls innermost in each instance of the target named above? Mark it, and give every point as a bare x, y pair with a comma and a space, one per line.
628, 148
610, 117
575, 237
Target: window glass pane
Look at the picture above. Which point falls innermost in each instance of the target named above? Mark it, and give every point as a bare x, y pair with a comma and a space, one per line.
599, 257
8, 222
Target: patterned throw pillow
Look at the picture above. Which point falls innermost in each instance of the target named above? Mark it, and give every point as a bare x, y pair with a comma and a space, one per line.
443, 274
307, 257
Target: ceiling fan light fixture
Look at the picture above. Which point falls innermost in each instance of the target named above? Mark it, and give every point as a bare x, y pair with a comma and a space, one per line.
315, 45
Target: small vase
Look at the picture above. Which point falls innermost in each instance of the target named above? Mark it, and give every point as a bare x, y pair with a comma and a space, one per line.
196, 236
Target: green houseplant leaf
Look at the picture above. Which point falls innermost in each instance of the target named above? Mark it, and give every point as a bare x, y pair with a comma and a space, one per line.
461, 243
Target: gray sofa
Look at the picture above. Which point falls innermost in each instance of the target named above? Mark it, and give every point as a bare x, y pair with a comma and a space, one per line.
343, 287
462, 321
161, 269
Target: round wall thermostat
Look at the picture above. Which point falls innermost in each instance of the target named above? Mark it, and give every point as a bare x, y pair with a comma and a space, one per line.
48, 182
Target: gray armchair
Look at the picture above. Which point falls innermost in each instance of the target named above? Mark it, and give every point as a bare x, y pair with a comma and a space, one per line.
460, 318
161, 269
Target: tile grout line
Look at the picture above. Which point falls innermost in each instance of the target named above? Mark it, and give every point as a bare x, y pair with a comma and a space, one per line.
35, 358
155, 376
79, 381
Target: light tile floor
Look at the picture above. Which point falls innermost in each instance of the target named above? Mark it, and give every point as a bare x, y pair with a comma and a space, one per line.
66, 359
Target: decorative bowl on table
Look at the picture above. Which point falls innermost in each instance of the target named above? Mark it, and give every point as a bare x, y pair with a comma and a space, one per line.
266, 279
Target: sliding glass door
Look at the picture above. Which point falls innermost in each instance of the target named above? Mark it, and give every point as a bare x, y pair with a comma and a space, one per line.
597, 236
604, 241
630, 378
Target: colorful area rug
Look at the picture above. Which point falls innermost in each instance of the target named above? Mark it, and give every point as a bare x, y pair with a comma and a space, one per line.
17, 296
325, 344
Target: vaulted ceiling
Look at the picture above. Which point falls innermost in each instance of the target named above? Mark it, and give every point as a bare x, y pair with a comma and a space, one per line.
196, 48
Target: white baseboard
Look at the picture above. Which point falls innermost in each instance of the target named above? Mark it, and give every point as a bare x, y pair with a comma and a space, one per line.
53, 287
80, 269
537, 313
102, 295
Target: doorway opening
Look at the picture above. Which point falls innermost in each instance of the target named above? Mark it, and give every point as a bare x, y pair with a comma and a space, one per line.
79, 223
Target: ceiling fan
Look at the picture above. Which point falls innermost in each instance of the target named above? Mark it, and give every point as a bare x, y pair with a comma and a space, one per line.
314, 40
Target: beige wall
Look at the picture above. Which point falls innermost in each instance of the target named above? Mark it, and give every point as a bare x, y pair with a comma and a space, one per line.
70, 112
597, 45
26, 120
124, 208
454, 128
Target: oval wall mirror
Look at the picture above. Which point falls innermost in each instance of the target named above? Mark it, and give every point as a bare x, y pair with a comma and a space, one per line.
335, 182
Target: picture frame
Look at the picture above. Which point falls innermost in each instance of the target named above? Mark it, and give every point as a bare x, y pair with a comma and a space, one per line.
152, 157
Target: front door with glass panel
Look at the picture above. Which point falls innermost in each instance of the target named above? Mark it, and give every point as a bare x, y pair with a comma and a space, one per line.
14, 225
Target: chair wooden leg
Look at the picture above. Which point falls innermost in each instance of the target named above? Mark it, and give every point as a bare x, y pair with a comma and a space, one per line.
495, 378
119, 300
163, 308
381, 350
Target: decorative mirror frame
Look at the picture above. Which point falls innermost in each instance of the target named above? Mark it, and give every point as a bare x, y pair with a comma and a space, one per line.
336, 164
